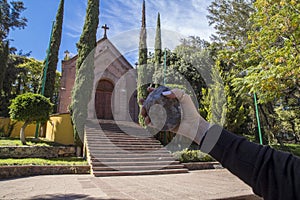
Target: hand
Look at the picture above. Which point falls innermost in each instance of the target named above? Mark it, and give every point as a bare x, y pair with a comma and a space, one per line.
192, 124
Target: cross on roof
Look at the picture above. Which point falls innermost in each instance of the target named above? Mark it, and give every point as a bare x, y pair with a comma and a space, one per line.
105, 27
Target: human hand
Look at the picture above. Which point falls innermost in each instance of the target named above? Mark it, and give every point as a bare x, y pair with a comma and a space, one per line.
192, 124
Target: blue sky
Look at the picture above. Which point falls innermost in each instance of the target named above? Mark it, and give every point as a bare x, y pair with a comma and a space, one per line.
179, 18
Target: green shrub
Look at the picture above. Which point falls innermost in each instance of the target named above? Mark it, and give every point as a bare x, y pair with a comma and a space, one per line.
187, 155
30, 108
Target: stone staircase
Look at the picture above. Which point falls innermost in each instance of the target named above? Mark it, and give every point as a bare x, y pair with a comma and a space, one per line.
123, 148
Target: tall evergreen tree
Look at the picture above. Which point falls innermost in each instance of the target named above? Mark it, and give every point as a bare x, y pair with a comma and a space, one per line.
231, 19
10, 18
87, 41
157, 66
142, 63
53, 53
84, 70
4, 51
157, 46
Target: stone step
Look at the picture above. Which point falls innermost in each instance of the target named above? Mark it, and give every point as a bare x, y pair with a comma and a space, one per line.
124, 142
112, 145
136, 173
99, 133
133, 160
129, 155
115, 149
106, 139
127, 150
120, 149
127, 132
142, 146
136, 168
145, 163
116, 133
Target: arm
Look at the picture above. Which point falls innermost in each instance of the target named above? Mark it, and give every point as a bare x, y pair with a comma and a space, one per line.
271, 174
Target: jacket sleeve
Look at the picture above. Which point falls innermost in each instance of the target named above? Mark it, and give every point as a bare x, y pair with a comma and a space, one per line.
272, 174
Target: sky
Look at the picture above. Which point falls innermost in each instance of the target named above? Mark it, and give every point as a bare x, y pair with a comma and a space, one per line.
179, 19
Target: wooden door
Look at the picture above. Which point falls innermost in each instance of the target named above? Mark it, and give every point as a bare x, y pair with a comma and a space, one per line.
134, 107
103, 100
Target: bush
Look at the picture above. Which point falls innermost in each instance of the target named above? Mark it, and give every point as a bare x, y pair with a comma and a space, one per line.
30, 108
187, 155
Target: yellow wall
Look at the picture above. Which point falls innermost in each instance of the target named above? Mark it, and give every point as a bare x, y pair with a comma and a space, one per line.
60, 130
29, 131
4, 122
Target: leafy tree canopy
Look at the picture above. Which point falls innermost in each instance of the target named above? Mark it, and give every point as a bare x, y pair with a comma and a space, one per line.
10, 17
30, 108
274, 52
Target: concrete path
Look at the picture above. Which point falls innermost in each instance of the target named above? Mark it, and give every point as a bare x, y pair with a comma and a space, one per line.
202, 184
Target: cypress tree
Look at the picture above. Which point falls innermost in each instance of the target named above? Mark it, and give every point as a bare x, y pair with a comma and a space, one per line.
157, 46
53, 53
4, 52
157, 68
87, 41
142, 63
10, 18
84, 70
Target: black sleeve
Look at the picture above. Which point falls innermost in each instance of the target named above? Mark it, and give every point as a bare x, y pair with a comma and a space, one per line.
271, 174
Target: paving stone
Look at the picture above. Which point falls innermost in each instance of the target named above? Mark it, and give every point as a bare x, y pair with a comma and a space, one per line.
201, 184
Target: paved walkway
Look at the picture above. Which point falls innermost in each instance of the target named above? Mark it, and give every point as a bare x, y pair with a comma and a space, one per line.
202, 184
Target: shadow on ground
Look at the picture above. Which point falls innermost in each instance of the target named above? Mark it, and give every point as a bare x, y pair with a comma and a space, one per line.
68, 197
246, 197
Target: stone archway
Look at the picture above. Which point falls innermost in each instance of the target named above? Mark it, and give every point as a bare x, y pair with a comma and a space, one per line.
103, 99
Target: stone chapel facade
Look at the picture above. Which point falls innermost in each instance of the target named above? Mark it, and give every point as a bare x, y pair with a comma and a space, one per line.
114, 90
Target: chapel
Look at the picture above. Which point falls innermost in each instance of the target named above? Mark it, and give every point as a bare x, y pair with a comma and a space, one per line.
114, 94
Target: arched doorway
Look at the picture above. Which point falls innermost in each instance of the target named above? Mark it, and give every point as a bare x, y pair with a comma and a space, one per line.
103, 99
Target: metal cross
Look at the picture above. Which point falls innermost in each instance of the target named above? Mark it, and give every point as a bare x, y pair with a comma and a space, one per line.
105, 27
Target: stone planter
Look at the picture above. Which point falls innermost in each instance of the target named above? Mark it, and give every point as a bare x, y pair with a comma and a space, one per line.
33, 170
202, 165
37, 152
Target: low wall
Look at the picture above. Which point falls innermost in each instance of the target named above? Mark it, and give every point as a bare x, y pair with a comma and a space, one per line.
6, 122
31, 170
36, 152
202, 165
60, 130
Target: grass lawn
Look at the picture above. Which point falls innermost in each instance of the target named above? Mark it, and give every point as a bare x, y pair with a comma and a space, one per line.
37, 161
30, 142
43, 161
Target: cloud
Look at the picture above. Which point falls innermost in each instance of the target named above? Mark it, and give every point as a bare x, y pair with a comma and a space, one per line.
74, 21
179, 19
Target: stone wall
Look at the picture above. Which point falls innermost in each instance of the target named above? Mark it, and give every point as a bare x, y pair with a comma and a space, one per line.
22, 171
37, 152
202, 165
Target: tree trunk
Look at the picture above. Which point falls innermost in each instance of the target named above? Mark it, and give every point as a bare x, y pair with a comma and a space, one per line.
78, 151
42, 132
22, 133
